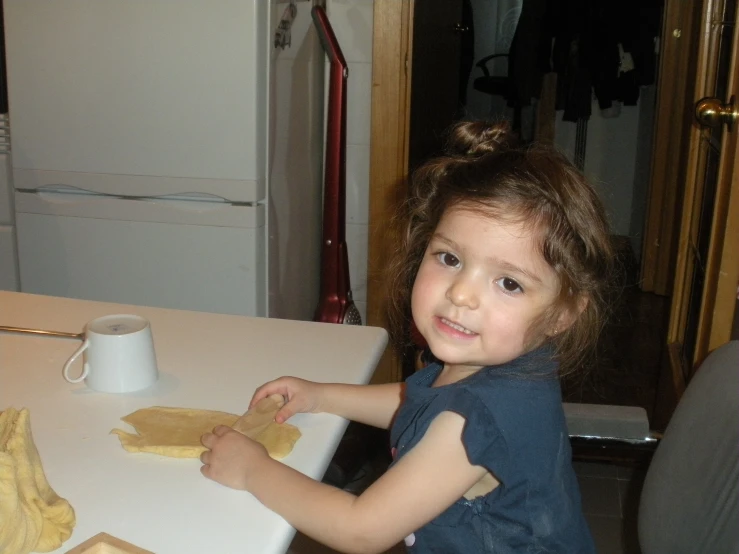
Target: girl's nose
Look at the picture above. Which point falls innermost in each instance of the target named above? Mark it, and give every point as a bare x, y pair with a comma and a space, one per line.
462, 293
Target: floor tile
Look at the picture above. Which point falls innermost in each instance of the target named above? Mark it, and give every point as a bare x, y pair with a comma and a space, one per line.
600, 496
629, 493
629, 472
606, 533
624, 473
594, 469
630, 536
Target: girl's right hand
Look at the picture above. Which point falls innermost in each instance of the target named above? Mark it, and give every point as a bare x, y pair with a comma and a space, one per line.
300, 396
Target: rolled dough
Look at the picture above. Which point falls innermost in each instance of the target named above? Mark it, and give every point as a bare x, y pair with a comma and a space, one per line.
33, 518
176, 432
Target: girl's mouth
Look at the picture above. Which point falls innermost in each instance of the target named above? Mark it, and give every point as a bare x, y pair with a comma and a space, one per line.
456, 327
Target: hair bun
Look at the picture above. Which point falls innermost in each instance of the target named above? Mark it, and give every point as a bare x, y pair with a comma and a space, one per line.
477, 138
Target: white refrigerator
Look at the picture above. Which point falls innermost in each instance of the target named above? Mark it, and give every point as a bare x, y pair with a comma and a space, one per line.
168, 152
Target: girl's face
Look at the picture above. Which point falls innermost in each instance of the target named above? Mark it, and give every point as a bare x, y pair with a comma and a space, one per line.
480, 286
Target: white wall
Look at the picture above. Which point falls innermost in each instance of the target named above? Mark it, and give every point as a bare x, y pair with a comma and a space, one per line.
352, 21
617, 161
642, 166
610, 156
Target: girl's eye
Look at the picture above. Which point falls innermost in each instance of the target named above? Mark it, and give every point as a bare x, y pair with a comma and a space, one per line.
509, 285
448, 259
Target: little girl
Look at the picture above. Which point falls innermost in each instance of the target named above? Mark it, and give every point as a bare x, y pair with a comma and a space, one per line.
503, 265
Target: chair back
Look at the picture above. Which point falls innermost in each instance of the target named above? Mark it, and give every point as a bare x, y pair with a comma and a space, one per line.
690, 500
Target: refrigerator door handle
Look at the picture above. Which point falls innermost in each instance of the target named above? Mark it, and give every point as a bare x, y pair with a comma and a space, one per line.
68, 192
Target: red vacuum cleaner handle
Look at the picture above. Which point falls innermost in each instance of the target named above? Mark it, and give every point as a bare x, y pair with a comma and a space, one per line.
335, 294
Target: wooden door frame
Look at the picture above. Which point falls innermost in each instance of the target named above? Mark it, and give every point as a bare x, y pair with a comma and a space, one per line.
388, 155
718, 297
675, 78
722, 262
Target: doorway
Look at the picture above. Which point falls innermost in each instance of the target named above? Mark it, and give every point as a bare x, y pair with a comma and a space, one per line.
684, 37
472, 70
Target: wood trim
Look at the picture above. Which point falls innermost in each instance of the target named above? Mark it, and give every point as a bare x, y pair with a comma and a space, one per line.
103, 543
388, 155
674, 96
727, 270
705, 68
718, 299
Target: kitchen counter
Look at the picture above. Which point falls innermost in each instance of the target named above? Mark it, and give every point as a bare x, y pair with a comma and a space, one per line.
208, 361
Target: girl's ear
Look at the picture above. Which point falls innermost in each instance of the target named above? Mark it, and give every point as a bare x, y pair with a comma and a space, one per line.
569, 315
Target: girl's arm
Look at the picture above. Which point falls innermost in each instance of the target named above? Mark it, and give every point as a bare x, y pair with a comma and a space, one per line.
426, 481
370, 404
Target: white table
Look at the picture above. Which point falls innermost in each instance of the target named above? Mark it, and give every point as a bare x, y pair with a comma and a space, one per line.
207, 361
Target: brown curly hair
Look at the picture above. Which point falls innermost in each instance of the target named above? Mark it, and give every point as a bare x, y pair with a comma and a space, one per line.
484, 169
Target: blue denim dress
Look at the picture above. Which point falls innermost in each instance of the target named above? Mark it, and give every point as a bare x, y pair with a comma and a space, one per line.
515, 427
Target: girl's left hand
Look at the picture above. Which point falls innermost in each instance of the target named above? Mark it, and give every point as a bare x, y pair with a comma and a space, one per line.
231, 457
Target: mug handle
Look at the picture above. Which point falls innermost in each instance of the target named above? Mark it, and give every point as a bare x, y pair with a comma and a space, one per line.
85, 369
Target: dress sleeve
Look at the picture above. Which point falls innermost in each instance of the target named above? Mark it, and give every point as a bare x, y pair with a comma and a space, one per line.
481, 435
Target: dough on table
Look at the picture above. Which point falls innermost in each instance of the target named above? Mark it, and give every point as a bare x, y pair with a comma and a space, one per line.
176, 432
33, 518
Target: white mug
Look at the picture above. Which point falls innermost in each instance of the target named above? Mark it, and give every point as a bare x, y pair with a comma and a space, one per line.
119, 355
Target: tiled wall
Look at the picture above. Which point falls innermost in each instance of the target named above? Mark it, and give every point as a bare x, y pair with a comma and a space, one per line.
352, 22
8, 256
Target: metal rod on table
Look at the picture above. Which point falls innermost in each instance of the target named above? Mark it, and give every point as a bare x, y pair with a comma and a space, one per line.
42, 332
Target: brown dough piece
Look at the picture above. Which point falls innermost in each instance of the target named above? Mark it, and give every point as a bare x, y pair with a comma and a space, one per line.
258, 424
176, 432
258, 418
